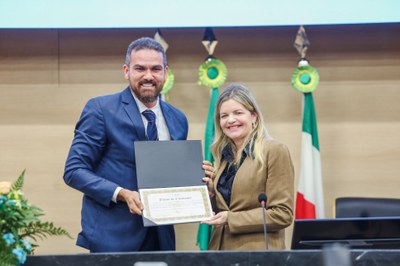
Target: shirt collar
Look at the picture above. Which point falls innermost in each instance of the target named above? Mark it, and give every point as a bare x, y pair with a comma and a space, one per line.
228, 156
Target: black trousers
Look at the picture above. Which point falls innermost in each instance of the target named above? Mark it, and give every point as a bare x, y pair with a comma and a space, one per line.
151, 242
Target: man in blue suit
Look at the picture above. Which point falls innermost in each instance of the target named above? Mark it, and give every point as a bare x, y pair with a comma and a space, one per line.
101, 162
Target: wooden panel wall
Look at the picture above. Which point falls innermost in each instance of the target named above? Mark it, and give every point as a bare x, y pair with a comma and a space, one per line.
46, 76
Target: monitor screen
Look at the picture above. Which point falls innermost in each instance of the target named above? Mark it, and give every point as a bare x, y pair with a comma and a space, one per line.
356, 233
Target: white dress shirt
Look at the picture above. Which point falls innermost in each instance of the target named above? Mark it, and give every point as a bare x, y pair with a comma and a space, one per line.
162, 128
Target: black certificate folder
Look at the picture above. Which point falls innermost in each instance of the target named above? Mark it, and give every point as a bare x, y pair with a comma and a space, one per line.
164, 164
169, 175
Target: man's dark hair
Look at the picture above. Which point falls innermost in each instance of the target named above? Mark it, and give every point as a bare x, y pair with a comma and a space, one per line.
145, 43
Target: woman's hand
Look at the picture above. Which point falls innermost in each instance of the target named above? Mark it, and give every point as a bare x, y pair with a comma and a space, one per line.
209, 178
218, 220
208, 169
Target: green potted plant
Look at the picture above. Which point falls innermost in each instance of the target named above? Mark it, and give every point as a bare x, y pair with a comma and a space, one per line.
20, 224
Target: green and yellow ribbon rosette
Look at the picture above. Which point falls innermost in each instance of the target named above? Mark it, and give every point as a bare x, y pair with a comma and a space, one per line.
212, 73
305, 79
169, 82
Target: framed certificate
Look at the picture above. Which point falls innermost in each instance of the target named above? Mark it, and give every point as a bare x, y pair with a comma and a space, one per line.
169, 175
176, 204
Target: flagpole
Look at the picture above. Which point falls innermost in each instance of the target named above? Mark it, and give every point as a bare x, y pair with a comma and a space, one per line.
212, 74
309, 197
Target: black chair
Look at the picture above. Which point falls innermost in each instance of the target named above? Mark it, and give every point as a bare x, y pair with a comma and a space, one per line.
351, 207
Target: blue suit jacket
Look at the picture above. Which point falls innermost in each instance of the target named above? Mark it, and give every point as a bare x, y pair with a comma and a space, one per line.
102, 158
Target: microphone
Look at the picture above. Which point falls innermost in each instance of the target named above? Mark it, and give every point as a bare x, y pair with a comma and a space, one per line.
262, 199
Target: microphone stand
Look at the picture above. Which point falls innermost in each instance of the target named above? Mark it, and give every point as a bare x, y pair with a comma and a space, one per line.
265, 225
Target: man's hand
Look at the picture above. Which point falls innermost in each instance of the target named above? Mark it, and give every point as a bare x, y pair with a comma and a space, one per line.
132, 199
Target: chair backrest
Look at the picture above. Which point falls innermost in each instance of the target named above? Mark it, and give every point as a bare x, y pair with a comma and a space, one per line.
351, 207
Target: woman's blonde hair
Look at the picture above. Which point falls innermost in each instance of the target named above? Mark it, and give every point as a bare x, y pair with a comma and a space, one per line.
242, 95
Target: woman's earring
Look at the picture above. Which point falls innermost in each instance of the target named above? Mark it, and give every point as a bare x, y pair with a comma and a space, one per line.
253, 125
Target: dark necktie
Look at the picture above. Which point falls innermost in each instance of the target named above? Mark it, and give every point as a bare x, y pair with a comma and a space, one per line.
151, 125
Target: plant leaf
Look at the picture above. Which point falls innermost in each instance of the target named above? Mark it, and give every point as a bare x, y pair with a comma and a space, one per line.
19, 183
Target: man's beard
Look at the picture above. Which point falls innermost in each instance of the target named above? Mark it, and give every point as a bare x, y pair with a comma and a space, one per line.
146, 98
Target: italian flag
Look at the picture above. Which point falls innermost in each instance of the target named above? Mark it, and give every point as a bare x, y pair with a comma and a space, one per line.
310, 196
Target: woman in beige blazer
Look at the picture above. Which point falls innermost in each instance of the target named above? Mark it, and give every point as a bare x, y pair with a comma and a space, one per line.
247, 162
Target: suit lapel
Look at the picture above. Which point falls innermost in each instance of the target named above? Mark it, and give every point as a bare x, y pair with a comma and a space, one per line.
133, 113
168, 116
236, 188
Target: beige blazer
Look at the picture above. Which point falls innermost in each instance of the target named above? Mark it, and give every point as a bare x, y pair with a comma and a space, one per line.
244, 230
